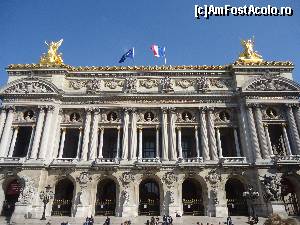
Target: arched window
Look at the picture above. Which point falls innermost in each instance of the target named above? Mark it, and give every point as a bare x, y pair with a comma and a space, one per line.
192, 198
290, 198
106, 198
236, 203
62, 203
149, 203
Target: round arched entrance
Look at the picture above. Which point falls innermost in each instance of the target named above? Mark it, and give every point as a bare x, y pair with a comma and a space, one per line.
192, 200
149, 202
289, 197
236, 203
106, 198
62, 203
12, 192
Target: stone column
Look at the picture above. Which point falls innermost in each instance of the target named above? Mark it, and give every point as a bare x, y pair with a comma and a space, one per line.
62, 143
79, 143
236, 141
2, 119
86, 134
261, 133
125, 135
13, 142
157, 142
100, 147
219, 143
254, 139
173, 152
6, 132
118, 143
38, 133
140, 143
55, 151
211, 135
46, 131
197, 142
30, 142
133, 135
179, 147
204, 138
293, 130
286, 140
296, 115
164, 131
94, 135
268, 140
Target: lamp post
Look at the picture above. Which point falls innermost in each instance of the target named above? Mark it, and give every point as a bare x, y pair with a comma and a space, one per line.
45, 196
251, 195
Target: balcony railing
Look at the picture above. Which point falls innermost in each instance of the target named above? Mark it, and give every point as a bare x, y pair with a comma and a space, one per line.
191, 160
286, 159
149, 160
106, 161
12, 160
65, 161
233, 160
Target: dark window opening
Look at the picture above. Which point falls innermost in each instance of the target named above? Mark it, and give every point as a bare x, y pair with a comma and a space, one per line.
149, 203
110, 139
227, 142
289, 197
276, 138
106, 198
22, 142
149, 143
62, 203
236, 203
192, 198
188, 144
71, 143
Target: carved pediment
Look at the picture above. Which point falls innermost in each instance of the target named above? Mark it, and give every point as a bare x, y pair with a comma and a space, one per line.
31, 86
272, 83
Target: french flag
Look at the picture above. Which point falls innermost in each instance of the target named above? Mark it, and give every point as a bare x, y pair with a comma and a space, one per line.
158, 51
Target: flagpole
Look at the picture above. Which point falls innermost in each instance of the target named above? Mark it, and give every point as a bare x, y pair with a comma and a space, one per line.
165, 56
133, 56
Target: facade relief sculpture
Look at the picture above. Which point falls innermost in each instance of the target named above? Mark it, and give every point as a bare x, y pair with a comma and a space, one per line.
27, 191
149, 83
113, 83
272, 186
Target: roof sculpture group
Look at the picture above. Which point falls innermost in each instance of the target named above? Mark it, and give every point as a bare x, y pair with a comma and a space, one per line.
54, 59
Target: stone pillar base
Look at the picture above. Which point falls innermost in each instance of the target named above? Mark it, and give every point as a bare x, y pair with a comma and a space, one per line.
278, 208
221, 211
22, 211
129, 211
83, 211
174, 209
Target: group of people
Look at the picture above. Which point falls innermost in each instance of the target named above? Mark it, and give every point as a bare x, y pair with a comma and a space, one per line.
89, 221
167, 220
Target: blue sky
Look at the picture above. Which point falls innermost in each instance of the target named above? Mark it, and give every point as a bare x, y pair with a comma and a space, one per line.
98, 32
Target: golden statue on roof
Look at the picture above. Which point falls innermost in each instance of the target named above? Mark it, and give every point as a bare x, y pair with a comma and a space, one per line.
249, 55
52, 57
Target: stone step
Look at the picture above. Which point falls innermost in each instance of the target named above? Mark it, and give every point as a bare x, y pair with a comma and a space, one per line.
186, 220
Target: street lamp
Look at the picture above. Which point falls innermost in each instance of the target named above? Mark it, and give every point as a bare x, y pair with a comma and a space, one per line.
45, 196
251, 195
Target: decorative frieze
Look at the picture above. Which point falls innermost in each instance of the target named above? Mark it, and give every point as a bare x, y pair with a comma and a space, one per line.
185, 83
29, 86
113, 83
149, 83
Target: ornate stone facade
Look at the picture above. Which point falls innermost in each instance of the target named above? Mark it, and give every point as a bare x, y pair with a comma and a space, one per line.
171, 131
